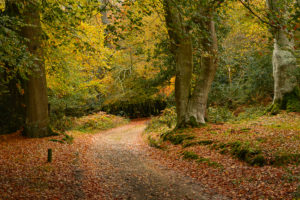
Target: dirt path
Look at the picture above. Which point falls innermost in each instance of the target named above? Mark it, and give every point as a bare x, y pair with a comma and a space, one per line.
128, 173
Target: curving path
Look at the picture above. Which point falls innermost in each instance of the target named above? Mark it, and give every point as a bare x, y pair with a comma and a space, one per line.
128, 173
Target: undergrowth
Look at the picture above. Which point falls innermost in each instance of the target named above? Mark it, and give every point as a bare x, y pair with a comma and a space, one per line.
98, 121
237, 138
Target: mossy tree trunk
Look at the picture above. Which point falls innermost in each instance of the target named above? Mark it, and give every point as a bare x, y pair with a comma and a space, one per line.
181, 48
196, 109
191, 102
37, 120
286, 86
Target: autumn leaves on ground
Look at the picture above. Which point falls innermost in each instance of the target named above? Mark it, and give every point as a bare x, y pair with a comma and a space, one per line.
249, 159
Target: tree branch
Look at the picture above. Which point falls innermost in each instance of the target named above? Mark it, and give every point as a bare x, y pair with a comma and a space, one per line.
256, 15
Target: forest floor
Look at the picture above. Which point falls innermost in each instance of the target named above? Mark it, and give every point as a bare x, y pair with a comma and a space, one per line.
113, 164
119, 164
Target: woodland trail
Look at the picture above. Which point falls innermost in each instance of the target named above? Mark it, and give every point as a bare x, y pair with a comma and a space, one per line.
128, 173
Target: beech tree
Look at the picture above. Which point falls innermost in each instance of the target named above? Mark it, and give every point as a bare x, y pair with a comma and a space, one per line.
36, 99
286, 85
191, 100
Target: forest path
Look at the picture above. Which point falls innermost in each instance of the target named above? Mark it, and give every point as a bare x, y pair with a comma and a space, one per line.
128, 173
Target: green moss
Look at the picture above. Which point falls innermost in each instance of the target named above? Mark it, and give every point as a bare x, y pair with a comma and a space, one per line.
223, 151
285, 158
154, 143
176, 138
193, 122
209, 162
190, 155
258, 160
292, 101
274, 109
201, 142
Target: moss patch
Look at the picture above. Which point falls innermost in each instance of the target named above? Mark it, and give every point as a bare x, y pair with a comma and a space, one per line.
154, 143
285, 158
290, 102
176, 138
201, 142
190, 155
209, 162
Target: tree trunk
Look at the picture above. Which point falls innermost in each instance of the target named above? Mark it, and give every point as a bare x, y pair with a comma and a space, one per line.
184, 69
191, 108
181, 47
37, 120
286, 87
196, 110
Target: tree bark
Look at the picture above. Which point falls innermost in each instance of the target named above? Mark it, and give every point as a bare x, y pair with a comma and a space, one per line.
37, 120
181, 47
286, 87
191, 107
196, 110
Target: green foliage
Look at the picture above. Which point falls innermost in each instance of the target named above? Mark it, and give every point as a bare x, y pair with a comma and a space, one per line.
293, 100
219, 114
98, 121
223, 114
290, 102
167, 119
61, 122
154, 143
245, 70
66, 139
138, 109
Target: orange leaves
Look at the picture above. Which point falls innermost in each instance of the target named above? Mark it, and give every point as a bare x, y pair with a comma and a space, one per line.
25, 174
236, 179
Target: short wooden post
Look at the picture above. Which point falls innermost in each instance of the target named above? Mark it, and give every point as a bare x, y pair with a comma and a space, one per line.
49, 155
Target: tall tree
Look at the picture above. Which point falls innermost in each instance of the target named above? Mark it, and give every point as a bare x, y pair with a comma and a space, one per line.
37, 119
36, 99
191, 100
286, 86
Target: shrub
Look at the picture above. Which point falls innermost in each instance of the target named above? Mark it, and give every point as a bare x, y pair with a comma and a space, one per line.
166, 120
154, 143
98, 121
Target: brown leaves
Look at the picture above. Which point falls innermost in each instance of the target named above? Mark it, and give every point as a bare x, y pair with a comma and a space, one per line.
25, 173
237, 179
